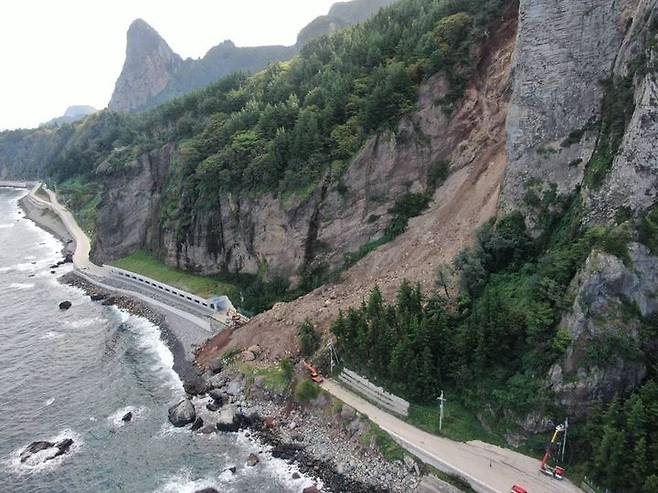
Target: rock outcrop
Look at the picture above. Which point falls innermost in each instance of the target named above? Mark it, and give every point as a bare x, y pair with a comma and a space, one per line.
239, 232
604, 358
565, 50
149, 67
632, 182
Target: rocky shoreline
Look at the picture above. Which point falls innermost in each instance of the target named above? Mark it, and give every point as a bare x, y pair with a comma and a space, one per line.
325, 441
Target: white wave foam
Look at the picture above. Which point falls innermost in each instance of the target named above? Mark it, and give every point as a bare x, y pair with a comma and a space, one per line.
115, 418
49, 402
183, 483
275, 468
21, 285
14, 464
150, 343
52, 335
84, 323
7, 226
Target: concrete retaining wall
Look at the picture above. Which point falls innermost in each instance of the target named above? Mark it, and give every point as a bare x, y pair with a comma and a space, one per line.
376, 394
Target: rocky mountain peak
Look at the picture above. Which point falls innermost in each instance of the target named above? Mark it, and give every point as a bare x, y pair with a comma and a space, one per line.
150, 64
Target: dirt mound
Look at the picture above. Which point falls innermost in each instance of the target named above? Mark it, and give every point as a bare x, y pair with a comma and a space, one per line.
473, 141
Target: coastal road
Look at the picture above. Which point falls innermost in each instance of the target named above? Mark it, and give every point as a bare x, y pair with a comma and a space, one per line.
487, 468
98, 275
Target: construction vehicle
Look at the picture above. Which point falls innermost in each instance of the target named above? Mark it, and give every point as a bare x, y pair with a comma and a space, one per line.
553, 449
315, 376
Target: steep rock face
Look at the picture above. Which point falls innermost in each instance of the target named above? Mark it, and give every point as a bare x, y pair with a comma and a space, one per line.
632, 183
241, 233
564, 50
149, 67
604, 358
129, 214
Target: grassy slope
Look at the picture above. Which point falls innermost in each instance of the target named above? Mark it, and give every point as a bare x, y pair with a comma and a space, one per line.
147, 265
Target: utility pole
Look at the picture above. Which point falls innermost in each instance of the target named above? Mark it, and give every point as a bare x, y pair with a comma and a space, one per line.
564, 438
441, 400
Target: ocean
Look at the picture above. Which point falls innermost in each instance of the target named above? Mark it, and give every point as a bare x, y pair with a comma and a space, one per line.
74, 374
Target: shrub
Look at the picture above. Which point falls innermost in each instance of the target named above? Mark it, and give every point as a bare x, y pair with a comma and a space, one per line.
306, 391
309, 339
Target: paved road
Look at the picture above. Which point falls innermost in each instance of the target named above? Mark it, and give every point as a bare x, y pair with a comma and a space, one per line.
97, 275
488, 468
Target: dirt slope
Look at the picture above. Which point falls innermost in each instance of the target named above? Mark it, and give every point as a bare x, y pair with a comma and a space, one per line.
476, 137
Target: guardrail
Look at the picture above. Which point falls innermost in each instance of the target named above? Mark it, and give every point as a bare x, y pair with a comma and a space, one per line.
18, 184
164, 288
377, 394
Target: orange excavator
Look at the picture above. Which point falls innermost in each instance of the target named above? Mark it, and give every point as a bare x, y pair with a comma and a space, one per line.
315, 376
553, 448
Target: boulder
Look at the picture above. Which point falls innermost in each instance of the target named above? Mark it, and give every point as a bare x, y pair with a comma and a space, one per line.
97, 297
213, 406
127, 417
255, 349
347, 413
232, 469
195, 386
252, 460
228, 419
234, 388
295, 475
65, 305
207, 490
208, 430
198, 424
217, 395
311, 489
248, 356
216, 365
269, 422
182, 413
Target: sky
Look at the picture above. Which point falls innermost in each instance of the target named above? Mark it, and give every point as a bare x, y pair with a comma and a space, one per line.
58, 53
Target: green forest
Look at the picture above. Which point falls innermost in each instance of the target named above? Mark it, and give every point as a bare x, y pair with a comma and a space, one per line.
282, 130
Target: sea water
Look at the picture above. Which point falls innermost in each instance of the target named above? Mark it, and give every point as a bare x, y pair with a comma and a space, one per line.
75, 373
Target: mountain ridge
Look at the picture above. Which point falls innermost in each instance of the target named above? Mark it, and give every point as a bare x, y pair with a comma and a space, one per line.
153, 73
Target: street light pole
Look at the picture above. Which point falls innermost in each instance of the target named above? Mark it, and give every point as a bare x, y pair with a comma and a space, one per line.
441, 400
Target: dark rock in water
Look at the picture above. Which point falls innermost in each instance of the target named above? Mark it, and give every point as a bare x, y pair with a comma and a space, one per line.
127, 417
213, 406
65, 305
97, 297
207, 490
182, 413
34, 448
52, 272
208, 430
232, 469
68, 259
198, 424
217, 395
252, 460
56, 449
311, 489
295, 475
